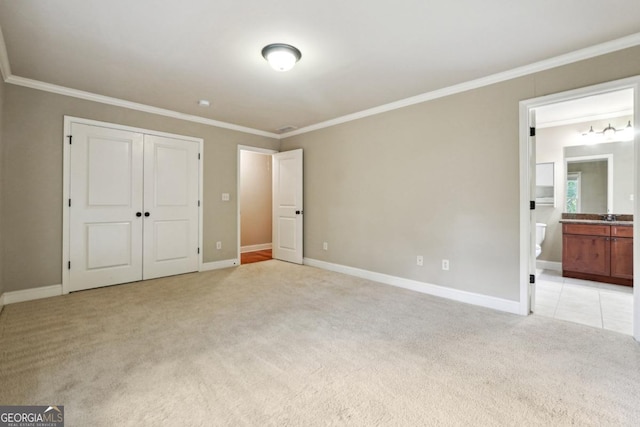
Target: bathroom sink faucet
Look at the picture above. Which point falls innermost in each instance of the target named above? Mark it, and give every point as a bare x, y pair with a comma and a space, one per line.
609, 217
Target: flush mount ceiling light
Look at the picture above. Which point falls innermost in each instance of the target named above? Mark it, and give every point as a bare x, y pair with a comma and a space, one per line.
281, 57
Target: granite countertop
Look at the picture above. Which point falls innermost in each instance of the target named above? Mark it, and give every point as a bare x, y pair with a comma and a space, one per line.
596, 222
598, 219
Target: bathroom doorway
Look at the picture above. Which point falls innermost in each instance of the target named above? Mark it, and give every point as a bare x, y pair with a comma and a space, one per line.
254, 204
565, 126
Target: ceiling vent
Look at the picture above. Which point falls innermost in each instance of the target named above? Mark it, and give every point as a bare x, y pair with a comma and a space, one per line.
285, 129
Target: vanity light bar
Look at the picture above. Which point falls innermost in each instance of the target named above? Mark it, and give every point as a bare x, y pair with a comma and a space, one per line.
609, 132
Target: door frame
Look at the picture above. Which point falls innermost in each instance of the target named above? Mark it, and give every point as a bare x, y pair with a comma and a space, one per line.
527, 220
66, 183
239, 181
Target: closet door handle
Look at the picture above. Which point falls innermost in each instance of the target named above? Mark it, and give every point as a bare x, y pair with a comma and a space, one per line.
138, 214
147, 214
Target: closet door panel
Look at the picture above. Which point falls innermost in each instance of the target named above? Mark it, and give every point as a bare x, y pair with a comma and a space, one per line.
105, 235
171, 206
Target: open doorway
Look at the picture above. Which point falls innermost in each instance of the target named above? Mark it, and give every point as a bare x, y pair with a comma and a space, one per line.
570, 129
592, 175
254, 204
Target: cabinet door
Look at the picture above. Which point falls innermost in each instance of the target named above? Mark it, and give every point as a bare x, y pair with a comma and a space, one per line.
622, 258
586, 254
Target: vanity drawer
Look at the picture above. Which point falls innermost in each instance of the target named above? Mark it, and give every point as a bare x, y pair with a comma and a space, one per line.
621, 231
587, 229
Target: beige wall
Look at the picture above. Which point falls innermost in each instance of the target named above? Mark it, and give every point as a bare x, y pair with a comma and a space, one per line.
2, 86
549, 148
255, 198
31, 213
438, 179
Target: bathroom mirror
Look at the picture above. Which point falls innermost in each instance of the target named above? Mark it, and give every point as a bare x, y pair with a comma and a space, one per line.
545, 180
599, 178
589, 184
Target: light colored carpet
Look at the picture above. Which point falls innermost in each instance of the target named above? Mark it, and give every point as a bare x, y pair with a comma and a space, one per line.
278, 344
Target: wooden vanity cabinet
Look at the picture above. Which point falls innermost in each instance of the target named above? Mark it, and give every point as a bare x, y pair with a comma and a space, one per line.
598, 252
622, 252
586, 249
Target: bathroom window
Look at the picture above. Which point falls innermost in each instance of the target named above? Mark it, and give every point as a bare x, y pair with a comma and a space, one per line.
573, 192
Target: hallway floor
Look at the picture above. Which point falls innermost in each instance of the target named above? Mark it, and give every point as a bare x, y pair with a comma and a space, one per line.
600, 305
255, 256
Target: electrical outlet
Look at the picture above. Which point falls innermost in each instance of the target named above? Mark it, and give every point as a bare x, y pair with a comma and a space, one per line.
325, 246
218, 245
445, 264
225, 197
420, 260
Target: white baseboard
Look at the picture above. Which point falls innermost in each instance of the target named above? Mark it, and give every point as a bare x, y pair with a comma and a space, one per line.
254, 248
217, 265
31, 294
548, 265
425, 288
56, 290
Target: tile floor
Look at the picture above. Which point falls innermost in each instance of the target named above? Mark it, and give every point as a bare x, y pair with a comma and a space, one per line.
590, 303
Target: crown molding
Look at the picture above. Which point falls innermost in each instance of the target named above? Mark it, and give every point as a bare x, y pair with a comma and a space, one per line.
5, 68
569, 58
89, 96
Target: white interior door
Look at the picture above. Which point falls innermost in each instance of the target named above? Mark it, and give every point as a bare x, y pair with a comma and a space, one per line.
105, 235
170, 206
287, 206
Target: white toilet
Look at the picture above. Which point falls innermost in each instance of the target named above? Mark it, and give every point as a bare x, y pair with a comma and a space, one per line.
541, 229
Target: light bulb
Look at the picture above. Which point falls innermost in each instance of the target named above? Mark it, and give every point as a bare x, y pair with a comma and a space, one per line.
627, 133
281, 60
590, 136
609, 131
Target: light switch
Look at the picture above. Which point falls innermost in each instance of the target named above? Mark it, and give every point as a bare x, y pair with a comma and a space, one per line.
225, 197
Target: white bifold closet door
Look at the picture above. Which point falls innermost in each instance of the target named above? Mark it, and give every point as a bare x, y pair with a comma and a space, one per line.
133, 206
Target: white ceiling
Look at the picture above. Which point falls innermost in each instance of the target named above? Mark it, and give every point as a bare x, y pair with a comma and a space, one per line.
356, 54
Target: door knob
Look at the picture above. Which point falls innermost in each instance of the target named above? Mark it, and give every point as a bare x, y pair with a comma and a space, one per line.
138, 214
147, 214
